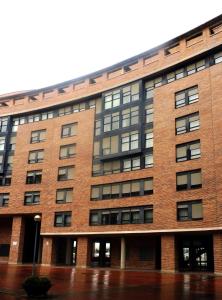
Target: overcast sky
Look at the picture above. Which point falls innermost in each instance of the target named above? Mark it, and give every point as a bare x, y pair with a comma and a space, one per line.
45, 42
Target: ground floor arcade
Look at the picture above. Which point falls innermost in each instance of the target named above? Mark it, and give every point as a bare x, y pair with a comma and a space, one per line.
165, 251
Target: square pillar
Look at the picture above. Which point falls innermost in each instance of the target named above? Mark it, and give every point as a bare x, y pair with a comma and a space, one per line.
123, 253
168, 253
17, 240
217, 246
47, 251
82, 252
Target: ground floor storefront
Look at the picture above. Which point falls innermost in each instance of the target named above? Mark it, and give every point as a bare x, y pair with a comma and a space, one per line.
199, 251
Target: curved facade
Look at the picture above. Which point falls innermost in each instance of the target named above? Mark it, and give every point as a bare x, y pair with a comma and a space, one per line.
123, 165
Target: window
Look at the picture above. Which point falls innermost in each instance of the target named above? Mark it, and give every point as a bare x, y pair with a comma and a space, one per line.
149, 138
36, 156
38, 136
3, 124
131, 164
9, 162
69, 130
189, 180
188, 151
2, 143
186, 97
64, 195
129, 141
149, 160
149, 113
98, 127
1, 161
63, 219
218, 58
67, 151
110, 145
187, 123
175, 75
34, 177
111, 167
196, 67
130, 116
15, 124
12, 143
216, 28
190, 210
112, 99
130, 93
4, 250
122, 215
4, 199
151, 85
5, 180
32, 198
111, 122
66, 173
131, 188
65, 111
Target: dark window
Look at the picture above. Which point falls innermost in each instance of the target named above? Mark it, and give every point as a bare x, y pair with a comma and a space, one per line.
187, 123
4, 250
111, 167
67, 151
38, 136
148, 215
69, 130
189, 180
34, 177
94, 219
122, 189
36, 156
145, 253
32, 198
190, 210
188, 151
4, 199
64, 195
186, 97
63, 219
5, 180
66, 173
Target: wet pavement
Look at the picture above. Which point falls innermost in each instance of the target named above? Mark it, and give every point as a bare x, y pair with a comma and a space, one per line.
106, 284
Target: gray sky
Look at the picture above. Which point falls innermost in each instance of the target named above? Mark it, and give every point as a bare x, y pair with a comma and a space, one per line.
45, 42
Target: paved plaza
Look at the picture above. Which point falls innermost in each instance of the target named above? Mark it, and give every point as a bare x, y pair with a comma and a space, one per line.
93, 284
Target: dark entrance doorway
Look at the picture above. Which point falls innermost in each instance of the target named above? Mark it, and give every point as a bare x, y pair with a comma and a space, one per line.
65, 251
101, 253
195, 253
29, 240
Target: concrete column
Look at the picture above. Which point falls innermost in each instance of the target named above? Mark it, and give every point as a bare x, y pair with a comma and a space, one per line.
217, 246
168, 253
82, 252
68, 251
47, 251
123, 253
17, 240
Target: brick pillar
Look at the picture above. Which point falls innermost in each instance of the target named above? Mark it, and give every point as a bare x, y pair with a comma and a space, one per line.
217, 246
17, 240
82, 252
47, 251
168, 253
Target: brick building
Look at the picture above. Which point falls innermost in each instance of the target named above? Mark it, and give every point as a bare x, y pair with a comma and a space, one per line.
123, 165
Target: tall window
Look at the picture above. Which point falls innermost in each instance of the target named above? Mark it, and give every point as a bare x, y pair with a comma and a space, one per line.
111, 122
149, 113
112, 99
2, 143
186, 97
129, 141
190, 210
36, 156
3, 124
63, 219
4, 199
34, 177
188, 151
187, 123
189, 180
110, 145
64, 195
66, 173
149, 138
130, 93
149, 160
38, 136
69, 130
32, 198
130, 116
151, 85
67, 151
